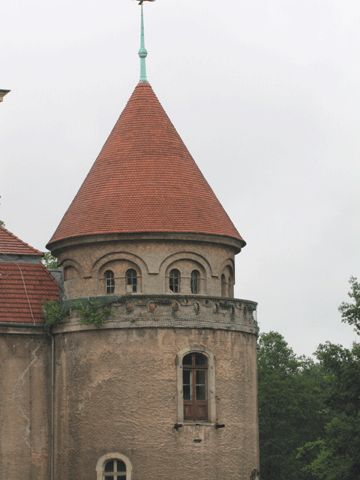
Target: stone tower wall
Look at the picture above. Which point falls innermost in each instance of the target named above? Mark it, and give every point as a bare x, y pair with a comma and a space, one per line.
119, 387
117, 391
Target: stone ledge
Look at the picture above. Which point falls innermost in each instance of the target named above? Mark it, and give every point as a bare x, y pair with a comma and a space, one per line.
172, 311
15, 328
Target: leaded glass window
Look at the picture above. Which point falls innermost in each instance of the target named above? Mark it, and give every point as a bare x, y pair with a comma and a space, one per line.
109, 282
195, 282
131, 281
114, 470
174, 281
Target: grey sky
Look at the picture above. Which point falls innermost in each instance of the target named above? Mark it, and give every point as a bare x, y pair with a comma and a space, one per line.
265, 95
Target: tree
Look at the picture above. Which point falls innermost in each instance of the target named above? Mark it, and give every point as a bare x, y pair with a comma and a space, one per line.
335, 454
350, 312
309, 411
49, 261
290, 407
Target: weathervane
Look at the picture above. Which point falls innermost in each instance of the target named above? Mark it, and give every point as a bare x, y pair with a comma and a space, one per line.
143, 52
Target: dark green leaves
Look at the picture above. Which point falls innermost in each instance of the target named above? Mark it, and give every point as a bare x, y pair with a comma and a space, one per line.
350, 311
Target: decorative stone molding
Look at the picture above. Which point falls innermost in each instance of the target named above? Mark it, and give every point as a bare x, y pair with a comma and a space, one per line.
119, 256
112, 456
198, 259
21, 329
173, 311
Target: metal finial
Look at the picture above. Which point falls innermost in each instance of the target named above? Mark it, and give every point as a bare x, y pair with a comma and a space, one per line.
142, 52
3, 93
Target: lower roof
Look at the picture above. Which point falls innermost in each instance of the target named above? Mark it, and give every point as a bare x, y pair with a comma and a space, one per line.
10, 244
24, 288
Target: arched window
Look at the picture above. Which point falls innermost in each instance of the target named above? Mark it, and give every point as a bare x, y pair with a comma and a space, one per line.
70, 273
195, 386
131, 281
109, 282
195, 281
114, 470
113, 466
174, 280
230, 287
223, 286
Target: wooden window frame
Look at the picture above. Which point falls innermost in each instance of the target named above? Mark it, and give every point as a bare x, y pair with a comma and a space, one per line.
211, 395
195, 409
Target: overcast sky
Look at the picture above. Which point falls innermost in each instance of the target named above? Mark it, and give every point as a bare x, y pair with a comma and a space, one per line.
265, 94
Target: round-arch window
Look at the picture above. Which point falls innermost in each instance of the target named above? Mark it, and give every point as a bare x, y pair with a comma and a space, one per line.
109, 282
223, 286
231, 287
114, 470
195, 385
131, 281
174, 280
195, 282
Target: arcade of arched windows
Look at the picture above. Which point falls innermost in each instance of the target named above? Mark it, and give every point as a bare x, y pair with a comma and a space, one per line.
183, 276
120, 277
186, 276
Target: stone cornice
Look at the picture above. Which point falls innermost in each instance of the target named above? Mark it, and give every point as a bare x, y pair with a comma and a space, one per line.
144, 236
172, 311
7, 328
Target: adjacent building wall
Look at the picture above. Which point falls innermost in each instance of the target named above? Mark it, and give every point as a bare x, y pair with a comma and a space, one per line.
24, 412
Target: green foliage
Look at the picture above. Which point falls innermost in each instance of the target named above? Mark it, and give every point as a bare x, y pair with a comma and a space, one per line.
336, 455
309, 411
350, 312
290, 407
92, 311
49, 261
2, 224
54, 312
341, 370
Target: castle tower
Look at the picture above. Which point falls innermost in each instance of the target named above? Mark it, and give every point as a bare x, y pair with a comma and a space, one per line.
155, 363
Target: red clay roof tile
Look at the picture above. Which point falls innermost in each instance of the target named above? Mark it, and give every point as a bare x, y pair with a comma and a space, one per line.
24, 287
12, 245
144, 180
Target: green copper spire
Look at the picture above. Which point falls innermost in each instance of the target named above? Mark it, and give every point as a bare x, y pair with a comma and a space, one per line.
142, 52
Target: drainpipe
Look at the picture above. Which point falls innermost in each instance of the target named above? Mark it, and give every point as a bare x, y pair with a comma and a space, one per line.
52, 406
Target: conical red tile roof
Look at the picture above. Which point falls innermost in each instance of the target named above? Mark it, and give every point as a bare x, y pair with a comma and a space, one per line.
144, 180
